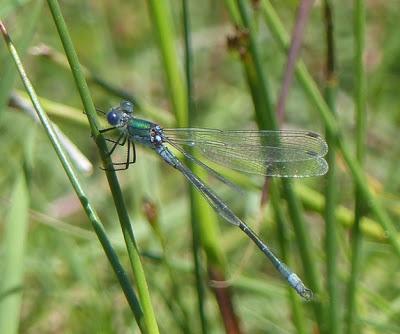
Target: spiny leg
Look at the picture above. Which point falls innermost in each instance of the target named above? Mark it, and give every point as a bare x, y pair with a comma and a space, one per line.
134, 153
113, 141
101, 111
117, 142
120, 141
107, 129
128, 156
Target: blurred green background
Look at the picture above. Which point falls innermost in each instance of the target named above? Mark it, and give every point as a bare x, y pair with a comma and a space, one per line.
67, 283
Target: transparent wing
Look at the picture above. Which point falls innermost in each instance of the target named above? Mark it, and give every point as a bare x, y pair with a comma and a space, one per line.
285, 153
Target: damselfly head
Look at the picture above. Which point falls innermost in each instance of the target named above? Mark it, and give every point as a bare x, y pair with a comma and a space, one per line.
118, 116
114, 116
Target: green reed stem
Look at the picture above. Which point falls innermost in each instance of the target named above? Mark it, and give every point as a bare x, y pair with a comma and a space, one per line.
9, 74
314, 95
267, 120
194, 200
73, 178
173, 297
359, 17
132, 248
297, 310
163, 28
331, 246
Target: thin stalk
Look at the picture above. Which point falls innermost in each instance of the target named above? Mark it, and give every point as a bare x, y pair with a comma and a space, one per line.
255, 73
314, 95
209, 235
302, 16
360, 105
173, 298
89, 210
195, 219
133, 252
194, 208
209, 230
297, 310
234, 12
304, 244
163, 26
331, 246
59, 59
9, 74
267, 119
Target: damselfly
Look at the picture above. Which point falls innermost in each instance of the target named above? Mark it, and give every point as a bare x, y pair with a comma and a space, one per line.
286, 153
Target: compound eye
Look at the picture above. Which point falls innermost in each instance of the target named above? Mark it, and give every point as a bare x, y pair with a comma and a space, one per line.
113, 117
127, 106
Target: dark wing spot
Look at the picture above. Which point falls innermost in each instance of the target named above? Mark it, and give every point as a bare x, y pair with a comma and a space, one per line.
312, 153
313, 134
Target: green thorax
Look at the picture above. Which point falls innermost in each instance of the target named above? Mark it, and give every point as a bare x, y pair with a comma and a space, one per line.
139, 130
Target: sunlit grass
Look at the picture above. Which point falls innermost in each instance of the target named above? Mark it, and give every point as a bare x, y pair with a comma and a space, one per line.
68, 285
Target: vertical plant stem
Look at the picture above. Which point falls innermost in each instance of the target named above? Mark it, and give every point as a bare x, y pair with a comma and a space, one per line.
8, 72
297, 37
196, 239
267, 120
360, 105
304, 244
133, 252
331, 247
89, 210
297, 310
302, 16
163, 26
173, 298
197, 259
215, 264
313, 93
255, 75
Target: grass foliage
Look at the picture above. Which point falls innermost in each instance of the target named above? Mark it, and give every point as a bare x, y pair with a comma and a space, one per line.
338, 232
